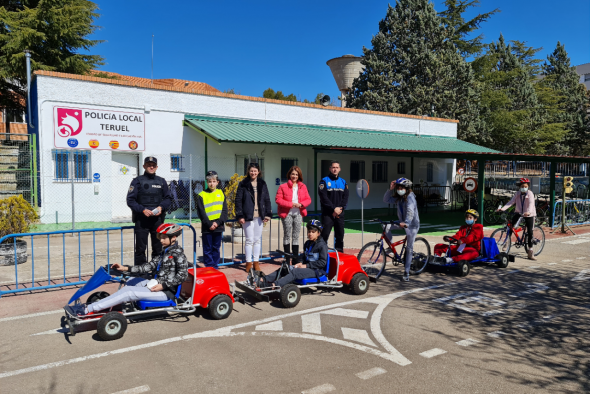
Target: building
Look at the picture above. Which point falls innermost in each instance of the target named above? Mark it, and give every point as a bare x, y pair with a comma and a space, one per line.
583, 71
94, 132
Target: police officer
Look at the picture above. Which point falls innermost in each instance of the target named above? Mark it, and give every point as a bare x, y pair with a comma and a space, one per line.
148, 198
333, 192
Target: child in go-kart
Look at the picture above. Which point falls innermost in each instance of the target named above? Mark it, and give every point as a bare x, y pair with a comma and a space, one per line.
314, 265
170, 269
469, 236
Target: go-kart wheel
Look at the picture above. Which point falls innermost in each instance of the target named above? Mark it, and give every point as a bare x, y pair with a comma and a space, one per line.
290, 296
502, 260
359, 284
220, 307
112, 326
463, 268
97, 296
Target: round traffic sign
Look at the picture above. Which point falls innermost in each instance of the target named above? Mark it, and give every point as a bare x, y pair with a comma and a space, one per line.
362, 188
461, 171
470, 185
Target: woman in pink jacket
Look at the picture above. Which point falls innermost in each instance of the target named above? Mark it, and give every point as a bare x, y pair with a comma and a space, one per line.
292, 198
525, 208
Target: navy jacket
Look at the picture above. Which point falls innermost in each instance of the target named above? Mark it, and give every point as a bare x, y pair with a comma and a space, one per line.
333, 193
245, 200
134, 190
315, 254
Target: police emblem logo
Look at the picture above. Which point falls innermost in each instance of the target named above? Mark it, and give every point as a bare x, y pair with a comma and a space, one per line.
321, 186
130, 189
329, 184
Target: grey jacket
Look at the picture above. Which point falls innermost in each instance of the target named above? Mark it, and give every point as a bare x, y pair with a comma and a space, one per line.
409, 206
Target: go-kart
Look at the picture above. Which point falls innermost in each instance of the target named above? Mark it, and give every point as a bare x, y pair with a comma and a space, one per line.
343, 270
207, 289
489, 254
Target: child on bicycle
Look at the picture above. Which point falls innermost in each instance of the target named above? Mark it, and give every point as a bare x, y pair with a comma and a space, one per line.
525, 208
400, 193
469, 236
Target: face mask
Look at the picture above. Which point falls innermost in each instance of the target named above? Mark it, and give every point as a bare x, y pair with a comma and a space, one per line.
469, 221
401, 192
524, 189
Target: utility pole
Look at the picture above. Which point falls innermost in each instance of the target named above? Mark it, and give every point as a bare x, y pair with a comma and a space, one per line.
567, 188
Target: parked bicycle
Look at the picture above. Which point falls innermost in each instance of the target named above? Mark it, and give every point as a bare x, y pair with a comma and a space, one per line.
373, 255
503, 236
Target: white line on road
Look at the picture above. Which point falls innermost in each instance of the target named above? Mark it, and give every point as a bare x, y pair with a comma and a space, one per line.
324, 388
533, 288
272, 326
566, 261
583, 275
581, 258
136, 390
362, 336
371, 373
533, 267
31, 315
467, 342
312, 323
551, 263
577, 241
509, 272
433, 352
496, 334
54, 331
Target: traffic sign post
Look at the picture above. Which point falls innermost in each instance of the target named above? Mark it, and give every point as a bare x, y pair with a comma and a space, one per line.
362, 190
470, 186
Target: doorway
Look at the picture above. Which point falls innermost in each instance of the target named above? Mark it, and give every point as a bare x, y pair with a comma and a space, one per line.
124, 167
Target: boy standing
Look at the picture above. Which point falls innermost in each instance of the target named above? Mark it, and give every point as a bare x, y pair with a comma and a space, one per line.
212, 210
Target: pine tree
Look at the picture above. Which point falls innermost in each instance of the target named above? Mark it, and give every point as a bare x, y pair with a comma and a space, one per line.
453, 17
54, 31
564, 80
525, 55
414, 68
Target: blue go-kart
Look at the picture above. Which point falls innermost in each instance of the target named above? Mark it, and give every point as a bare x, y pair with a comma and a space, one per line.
489, 254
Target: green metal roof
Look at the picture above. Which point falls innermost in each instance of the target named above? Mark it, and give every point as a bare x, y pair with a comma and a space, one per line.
238, 130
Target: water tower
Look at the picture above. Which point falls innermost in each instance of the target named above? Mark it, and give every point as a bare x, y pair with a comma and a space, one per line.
345, 69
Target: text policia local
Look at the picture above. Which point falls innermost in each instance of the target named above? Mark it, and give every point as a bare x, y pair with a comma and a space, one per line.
119, 117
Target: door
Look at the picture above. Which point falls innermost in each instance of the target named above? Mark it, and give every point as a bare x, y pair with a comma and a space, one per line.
123, 169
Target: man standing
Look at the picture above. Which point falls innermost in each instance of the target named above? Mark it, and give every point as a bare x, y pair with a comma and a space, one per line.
148, 198
333, 192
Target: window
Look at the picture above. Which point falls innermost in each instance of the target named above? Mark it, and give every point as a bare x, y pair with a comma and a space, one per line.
286, 164
379, 172
14, 116
246, 160
429, 172
176, 163
72, 162
357, 170
586, 77
401, 167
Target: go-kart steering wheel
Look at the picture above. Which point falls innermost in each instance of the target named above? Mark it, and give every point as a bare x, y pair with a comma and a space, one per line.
452, 240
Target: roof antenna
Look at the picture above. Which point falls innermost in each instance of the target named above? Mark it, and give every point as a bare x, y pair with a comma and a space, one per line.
152, 59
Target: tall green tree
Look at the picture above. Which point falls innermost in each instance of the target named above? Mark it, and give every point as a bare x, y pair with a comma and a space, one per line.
453, 17
278, 95
55, 31
562, 78
415, 68
526, 57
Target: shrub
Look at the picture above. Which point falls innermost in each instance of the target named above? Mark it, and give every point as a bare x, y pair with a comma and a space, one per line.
16, 216
230, 198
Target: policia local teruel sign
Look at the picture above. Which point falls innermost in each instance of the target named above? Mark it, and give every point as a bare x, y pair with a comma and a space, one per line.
85, 128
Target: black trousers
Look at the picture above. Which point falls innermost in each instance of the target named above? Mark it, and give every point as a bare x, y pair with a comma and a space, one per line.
329, 221
145, 226
530, 224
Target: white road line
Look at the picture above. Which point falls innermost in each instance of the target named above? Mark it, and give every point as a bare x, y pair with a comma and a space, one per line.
371, 373
272, 326
467, 342
31, 315
433, 352
551, 263
361, 336
566, 261
496, 334
324, 388
136, 390
347, 313
583, 275
312, 323
54, 331
581, 258
533, 267
533, 288
577, 241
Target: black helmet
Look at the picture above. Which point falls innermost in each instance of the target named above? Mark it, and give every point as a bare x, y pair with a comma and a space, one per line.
315, 224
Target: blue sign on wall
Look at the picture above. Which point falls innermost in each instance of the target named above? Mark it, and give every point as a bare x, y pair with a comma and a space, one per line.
278, 181
96, 177
72, 142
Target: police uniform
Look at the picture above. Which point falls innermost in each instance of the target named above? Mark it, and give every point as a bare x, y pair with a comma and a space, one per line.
147, 192
211, 208
333, 193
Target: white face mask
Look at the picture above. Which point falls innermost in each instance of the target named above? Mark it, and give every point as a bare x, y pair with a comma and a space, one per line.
524, 189
401, 192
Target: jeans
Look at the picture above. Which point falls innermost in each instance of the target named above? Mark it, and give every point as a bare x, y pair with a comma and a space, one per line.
211, 245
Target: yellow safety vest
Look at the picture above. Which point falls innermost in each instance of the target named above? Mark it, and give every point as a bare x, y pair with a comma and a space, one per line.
213, 203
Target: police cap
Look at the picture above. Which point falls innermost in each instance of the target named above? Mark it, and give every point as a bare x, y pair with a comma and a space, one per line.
150, 158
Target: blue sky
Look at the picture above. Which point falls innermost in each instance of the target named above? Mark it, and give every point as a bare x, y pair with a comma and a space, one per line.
252, 45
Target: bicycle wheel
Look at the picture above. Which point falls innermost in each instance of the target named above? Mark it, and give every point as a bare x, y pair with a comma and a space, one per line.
502, 240
488, 215
421, 256
538, 241
372, 259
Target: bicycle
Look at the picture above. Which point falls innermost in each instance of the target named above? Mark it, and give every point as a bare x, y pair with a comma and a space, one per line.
503, 236
373, 258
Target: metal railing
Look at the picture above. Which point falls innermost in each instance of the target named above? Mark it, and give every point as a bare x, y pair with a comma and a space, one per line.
577, 212
65, 274
525, 168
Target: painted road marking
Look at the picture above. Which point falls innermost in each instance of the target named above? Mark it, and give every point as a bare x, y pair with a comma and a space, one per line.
533, 267
536, 322
566, 261
313, 324
382, 302
31, 315
496, 334
581, 258
577, 241
533, 288
272, 326
433, 352
467, 342
54, 331
361, 336
136, 390
551, 263
473, 296
371, 373
583, 275
324, 388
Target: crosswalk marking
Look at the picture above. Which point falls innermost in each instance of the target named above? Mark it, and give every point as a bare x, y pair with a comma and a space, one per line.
496, 334
371, 373
583, 275
581, 258
577, 241
135, 390
312, 322
432, 352
361, 336
467, 342
324, 388
566, 261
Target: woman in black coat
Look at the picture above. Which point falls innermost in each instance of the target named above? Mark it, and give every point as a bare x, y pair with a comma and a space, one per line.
252, 210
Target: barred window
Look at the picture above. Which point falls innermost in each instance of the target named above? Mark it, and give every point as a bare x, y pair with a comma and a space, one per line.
286, 164
176, 163
379, 172
68, 163
357, 170
429, 172
401, 167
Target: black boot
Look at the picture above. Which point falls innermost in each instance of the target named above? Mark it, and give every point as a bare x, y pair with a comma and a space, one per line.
287, 249
295, 254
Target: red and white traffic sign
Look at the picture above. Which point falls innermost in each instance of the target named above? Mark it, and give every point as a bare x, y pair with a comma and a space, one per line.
470, 185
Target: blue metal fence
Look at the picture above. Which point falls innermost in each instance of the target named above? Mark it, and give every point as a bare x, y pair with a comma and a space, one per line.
577, 212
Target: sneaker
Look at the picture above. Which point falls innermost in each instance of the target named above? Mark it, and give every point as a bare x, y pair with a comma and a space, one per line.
406, 278
450, 260
80, 309
389, 252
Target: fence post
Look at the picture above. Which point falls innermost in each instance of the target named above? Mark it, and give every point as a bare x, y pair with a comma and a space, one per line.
190, 190
73, 209
552, 171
